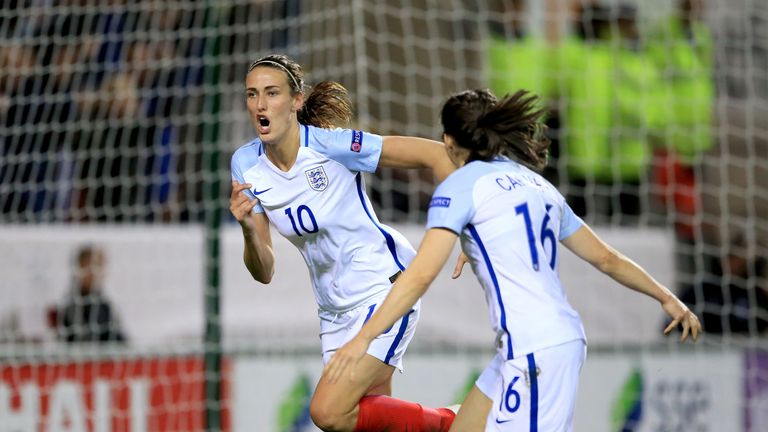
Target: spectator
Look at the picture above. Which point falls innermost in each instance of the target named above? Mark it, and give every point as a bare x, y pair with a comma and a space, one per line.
30, 160
681, 49
115, 156
87, 315
732, 298
605, 80
157, 105
518, 59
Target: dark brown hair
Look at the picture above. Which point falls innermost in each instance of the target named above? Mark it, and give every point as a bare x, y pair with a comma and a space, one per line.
488, 127
328, 104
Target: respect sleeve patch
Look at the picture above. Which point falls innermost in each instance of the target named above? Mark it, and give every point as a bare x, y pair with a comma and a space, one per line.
357, 141
440, 202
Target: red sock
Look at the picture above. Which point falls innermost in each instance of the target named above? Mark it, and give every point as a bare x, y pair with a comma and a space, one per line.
384, 413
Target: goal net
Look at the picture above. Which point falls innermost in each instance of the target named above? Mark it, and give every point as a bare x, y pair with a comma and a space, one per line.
124, 303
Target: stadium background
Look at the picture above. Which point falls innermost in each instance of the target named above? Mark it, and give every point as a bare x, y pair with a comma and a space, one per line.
118, 119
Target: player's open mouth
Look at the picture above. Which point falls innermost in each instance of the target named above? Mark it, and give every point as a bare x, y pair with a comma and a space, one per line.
263, 127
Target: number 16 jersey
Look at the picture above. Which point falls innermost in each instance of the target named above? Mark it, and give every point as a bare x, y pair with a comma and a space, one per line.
510, 220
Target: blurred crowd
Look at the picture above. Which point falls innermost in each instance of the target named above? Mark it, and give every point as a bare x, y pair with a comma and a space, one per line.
90, 108
632, 118
631, 112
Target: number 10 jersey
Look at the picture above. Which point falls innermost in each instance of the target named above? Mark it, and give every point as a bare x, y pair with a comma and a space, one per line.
320, 205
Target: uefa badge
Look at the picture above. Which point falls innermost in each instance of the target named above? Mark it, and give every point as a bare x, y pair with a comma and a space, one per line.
357, 141
317, 179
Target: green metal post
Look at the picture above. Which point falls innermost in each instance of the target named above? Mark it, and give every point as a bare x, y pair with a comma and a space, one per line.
213, 209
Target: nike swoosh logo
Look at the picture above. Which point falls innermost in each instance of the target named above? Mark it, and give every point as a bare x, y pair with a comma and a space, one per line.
261, 192
502, 421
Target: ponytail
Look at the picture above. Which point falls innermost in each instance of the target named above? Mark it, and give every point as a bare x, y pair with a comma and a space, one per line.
327, 106
513, 127
488, 128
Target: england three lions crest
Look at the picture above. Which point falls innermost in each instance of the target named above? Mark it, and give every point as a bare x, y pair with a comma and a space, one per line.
317, 178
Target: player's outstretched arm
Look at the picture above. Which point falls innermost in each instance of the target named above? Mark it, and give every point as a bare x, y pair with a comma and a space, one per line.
589, 247
413, 152
257, 254
434, 251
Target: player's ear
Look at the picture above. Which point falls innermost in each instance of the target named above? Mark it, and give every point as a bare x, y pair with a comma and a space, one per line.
298, 102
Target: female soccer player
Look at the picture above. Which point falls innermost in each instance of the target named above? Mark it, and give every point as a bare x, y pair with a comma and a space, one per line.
510, 219
306, 179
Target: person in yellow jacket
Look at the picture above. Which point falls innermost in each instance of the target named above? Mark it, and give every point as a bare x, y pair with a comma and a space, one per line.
517, 59
607, 113
681, 48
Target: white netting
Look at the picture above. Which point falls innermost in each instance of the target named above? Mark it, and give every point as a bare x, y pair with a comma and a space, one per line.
110, 113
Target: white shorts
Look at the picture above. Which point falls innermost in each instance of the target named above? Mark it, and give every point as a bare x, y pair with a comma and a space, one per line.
543, 401
389, 347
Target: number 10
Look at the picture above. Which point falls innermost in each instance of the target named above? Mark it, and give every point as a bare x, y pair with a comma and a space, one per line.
300, 212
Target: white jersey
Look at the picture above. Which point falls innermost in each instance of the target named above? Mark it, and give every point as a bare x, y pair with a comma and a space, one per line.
510, 220
320, 206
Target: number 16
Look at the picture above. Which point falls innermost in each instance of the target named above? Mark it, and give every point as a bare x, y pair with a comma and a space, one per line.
545, 234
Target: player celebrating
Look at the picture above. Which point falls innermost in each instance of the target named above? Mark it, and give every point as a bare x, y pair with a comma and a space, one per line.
306, 179
510, 219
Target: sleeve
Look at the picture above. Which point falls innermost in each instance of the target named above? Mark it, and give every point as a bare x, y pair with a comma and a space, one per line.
451, 205
237, 174
356, 150
569, 222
